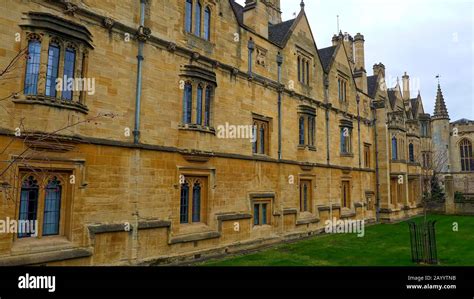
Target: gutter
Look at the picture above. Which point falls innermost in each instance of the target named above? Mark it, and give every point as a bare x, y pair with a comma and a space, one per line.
141, 43
279, 62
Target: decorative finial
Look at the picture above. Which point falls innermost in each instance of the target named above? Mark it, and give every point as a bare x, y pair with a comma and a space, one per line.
437, 77
302, 4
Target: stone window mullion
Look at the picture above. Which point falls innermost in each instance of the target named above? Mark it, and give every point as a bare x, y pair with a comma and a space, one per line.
76, 95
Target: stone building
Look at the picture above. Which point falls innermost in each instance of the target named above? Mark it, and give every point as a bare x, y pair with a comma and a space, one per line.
208, 128
453, 155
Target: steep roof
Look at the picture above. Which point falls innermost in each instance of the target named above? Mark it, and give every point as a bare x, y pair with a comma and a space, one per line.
277, 33
392, 97
238, 11
414, 106
463, 121
326, 55
372, 85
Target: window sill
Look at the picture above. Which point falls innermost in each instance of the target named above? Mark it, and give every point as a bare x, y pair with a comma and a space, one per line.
347, 155
197, 128
51, 102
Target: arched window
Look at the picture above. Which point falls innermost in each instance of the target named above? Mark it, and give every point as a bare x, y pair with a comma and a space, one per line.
197, 202
207, 23
189, 16
187, 103
32, 67
207, 107
467, 159
52, 207
197, 19
411, 152
28, 205
69, 62
394, 149
301, 133
199, 105
52, 69
184, 216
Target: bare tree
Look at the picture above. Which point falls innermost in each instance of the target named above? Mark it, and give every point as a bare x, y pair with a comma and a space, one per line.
431, 175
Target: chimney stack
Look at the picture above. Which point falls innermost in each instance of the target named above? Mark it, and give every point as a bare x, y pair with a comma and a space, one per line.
349, 45
379, 69
259, 13
359, 52
406, 86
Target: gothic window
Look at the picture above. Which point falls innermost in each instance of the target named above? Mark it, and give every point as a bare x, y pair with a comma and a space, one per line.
32, 67
207, 23
261, 144
199, 105
52, 207
193, 200
69, 65
184, 208
197, 19
52, 69
411, 152
189, 15
394, 148
66, 45
207, 107
198, 85
467, 159
187, 103
301, 133
28, 203
42, 205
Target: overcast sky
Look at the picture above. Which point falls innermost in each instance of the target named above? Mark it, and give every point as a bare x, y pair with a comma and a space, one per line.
422, 37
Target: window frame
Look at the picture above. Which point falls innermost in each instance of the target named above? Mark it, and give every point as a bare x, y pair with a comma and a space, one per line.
466, 155
260, 203
43, 176
308, 183
188, 216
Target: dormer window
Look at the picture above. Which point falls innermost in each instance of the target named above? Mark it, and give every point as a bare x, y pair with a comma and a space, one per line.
197, 20
304, 60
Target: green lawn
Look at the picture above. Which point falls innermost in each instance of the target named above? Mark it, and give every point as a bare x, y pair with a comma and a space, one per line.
383, 245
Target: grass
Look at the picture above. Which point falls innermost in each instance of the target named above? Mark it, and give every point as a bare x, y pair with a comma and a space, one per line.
382, 245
